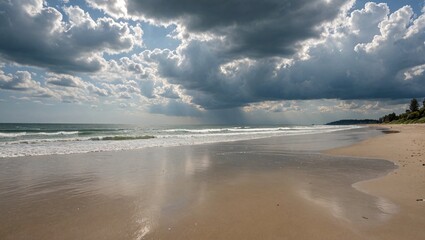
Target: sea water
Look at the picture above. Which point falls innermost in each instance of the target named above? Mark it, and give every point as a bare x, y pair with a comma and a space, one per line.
47, 139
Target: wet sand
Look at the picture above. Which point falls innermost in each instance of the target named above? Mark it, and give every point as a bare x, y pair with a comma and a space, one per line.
405, 146
276, 188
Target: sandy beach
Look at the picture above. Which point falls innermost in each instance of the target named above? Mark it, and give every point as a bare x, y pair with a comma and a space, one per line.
212, 120
405, 186
273, 188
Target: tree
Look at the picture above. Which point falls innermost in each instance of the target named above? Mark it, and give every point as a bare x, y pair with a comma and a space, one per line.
423, 103
412, 115
414, 105
392, 117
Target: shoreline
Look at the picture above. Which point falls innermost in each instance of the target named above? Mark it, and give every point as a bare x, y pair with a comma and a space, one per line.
268, 188
405, 186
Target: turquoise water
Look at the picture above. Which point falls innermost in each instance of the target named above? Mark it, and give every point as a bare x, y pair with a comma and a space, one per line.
46, 139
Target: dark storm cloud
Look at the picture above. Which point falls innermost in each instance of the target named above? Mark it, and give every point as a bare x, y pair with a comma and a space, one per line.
383, 60
34, 34
175, 108
250, 27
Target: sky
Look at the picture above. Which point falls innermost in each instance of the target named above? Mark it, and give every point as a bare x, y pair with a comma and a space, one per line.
158, 62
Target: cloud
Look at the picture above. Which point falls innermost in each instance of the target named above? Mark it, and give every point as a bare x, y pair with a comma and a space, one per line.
37, 35
64, 80
414, 72
136, 74
170, 92
104, 34
59, 87
115, 8
98, 91
274, 106
175, 107
376, 107
22, 81
247, 28
361, 55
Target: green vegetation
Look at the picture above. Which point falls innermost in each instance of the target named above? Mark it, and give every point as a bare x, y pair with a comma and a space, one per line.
414, 114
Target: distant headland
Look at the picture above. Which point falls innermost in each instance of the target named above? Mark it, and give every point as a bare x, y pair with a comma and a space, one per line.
353, 122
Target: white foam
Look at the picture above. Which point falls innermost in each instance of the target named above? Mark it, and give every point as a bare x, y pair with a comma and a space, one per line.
202, 136
54, 133
12, 135
21, 134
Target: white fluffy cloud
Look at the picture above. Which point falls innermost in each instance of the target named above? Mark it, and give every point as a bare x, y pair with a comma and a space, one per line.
22, 81
37, 35
115, 8
64, 80
67, 88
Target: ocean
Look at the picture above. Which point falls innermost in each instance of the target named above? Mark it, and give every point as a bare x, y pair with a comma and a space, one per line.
17, 139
